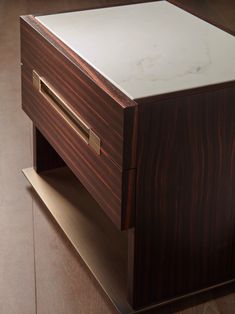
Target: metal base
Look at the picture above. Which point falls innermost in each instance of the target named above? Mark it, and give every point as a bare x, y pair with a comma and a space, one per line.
100, 245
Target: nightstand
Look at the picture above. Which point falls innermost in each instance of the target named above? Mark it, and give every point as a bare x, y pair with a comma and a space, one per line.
133, 110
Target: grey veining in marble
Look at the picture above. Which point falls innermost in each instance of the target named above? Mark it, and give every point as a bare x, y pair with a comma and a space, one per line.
148, 49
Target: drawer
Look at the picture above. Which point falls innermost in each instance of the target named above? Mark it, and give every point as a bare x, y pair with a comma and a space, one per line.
92, 130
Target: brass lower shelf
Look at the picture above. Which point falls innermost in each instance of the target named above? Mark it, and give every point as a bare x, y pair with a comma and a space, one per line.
101, 246
98, 242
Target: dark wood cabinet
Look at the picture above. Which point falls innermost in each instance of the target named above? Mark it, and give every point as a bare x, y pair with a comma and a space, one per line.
138, 102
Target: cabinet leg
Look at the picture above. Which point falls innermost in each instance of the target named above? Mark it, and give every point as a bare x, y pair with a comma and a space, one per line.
130, 268
44, 155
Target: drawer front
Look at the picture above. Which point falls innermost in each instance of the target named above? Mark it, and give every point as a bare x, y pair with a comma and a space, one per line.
85, 125
113, 122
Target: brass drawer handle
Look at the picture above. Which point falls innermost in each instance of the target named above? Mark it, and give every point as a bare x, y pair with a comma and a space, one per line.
83, 130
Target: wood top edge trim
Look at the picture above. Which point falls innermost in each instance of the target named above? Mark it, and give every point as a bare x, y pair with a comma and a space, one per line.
122, 99
186, 92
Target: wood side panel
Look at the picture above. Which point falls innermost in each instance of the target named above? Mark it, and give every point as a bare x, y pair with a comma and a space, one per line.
44, 53
185, 214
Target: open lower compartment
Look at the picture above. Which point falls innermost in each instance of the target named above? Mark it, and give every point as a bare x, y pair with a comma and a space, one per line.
100, 244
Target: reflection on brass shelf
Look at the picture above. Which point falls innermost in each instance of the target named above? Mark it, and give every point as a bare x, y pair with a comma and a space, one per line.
64, 109
100, 244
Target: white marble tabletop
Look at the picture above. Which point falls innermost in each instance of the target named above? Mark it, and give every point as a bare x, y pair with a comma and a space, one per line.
148, 49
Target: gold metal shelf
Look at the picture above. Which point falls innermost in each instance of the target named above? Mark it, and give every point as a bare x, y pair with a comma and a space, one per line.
101, 246
99, 243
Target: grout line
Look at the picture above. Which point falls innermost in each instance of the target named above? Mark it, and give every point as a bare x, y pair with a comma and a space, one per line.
34, 258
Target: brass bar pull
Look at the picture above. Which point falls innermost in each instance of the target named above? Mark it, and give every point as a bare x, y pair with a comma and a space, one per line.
83, 130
